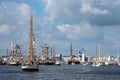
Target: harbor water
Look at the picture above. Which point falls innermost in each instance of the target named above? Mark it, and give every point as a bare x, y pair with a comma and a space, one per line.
63, 72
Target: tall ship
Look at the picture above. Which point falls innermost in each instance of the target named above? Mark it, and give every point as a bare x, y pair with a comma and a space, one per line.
73, 59
96, 63
71, 56
31, 64
46, 55
2, 61
14, 57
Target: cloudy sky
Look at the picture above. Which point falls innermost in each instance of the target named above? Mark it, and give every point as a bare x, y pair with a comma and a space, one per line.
61, 22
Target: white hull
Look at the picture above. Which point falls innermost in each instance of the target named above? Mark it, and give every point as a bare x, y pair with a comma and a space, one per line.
118, 63
96, 64
106, 63
57, 63
30, 68
85, 64
73, 63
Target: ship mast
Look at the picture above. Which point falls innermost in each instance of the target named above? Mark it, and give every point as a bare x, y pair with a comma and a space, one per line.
31, 39
71, 50
96, 52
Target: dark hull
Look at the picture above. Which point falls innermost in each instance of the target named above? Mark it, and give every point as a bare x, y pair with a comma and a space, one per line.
30, 69
69, 62
77, 62
57, 64
41, 64
47, 63
2, 63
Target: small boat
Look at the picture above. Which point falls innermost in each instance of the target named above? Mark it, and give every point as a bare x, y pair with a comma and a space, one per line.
97, 64
31, 64
57, 62
106, 63
30, 67
118, 63
85, 63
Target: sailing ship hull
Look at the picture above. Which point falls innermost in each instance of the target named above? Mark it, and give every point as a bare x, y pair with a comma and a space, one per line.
69, 62
1, 63
49, 62
30, 68
77, 62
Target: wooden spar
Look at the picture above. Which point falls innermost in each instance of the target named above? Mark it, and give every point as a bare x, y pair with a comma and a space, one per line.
31, 40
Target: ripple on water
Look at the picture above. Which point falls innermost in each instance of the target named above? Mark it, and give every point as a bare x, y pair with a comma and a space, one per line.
63, 72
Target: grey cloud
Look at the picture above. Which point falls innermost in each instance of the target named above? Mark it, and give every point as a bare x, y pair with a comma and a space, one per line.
101, 12
15, 16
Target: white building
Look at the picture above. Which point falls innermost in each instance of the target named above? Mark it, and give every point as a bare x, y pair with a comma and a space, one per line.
81, 57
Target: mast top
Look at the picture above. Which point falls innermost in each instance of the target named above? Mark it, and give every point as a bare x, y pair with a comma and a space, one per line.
31, 16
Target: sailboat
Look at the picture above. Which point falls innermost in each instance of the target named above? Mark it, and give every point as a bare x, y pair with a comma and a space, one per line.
70, 61
118, 60
96, 63
57, 62
31, 64
14, 56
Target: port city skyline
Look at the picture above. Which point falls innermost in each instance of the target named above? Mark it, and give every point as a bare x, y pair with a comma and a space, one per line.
59, 23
